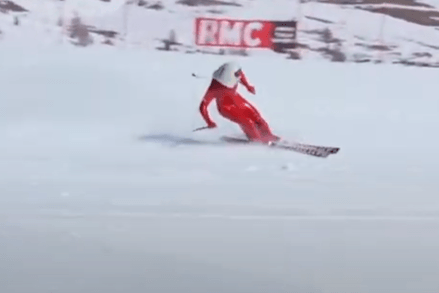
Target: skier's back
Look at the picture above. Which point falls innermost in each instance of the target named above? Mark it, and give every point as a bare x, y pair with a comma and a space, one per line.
232, 105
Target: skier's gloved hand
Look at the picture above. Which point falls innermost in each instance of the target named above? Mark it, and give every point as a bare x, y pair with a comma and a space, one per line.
211, 125
251, 89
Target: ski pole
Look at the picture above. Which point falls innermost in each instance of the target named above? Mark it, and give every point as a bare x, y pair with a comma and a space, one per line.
198, 76
201, 128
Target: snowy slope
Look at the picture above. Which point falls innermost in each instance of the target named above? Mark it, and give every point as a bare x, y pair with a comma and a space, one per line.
142, 26
94, 197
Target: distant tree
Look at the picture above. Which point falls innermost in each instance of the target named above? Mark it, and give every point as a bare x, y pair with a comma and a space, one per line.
156, 6
79, 31
338, 55
173, 37
295, 55
327, 37
170, 41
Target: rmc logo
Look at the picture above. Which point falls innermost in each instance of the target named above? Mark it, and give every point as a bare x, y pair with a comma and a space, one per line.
233, 33
276, 35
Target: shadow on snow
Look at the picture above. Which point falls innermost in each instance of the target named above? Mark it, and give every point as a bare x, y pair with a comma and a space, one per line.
175, 140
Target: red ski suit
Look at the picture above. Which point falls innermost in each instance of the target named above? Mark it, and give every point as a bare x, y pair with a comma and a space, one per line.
232, 106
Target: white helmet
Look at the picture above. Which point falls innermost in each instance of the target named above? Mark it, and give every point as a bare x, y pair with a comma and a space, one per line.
233, 67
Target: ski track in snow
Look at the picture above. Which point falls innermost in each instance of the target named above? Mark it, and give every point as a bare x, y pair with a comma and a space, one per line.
101, 178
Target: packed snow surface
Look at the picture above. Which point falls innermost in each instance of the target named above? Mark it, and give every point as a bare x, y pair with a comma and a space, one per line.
103, 190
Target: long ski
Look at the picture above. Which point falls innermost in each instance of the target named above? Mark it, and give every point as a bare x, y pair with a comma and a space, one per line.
308, 149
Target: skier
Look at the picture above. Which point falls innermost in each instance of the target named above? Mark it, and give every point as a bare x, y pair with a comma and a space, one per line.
232, 106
